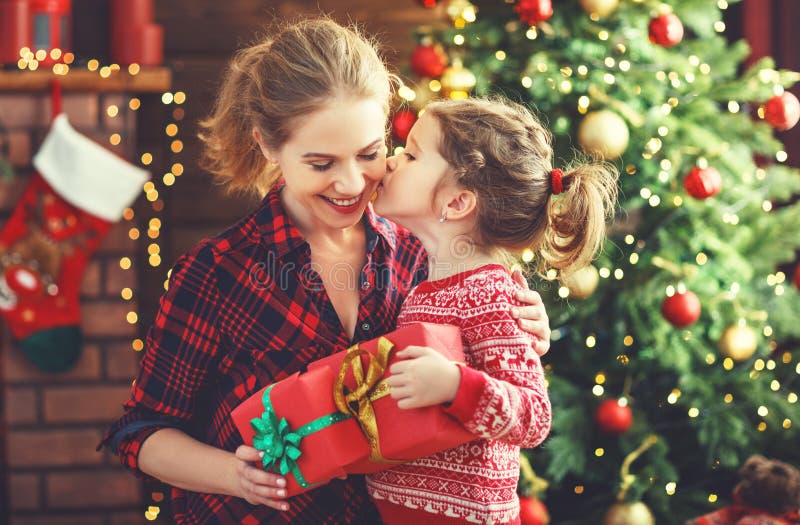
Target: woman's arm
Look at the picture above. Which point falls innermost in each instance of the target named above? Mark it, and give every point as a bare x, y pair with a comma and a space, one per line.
533, 317
180, 362
181, 461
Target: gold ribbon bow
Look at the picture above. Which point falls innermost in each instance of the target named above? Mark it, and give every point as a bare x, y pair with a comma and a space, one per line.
358, 402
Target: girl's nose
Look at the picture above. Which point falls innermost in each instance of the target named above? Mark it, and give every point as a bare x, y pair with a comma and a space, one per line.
391, 163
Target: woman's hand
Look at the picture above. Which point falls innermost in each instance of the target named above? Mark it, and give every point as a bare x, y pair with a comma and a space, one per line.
423, 378
254, 484
533, 318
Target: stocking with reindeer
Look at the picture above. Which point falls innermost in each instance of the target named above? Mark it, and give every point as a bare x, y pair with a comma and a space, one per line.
79, 189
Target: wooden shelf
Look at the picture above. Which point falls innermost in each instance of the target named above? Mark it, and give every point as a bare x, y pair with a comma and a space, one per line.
148, 80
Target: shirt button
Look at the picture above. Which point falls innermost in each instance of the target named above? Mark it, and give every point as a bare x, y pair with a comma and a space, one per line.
365, 285
365, 327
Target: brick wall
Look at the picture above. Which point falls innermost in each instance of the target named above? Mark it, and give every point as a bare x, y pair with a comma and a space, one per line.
53, 422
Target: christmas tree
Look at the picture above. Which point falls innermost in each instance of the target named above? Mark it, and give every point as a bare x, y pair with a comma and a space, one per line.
675, 356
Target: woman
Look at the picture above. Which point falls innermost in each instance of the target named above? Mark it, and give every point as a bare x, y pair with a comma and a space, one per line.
302, 118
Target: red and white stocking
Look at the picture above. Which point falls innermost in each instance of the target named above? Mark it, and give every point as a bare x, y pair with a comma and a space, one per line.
79, 189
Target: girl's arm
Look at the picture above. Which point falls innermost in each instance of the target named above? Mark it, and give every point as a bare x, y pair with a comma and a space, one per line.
505, 396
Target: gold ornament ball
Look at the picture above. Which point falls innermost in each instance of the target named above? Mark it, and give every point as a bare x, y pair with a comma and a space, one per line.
600, 8
738, 342
629, 514
582, 283
457, 81
603, 133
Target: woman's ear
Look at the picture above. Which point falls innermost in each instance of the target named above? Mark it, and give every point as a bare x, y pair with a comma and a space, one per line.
268, 154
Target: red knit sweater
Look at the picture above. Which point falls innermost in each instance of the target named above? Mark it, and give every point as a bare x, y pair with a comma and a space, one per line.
502, 399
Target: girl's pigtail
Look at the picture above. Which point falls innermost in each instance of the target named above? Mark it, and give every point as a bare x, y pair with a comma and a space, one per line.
577, 216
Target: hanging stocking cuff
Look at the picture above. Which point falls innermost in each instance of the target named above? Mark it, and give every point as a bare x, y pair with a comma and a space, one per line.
86, 174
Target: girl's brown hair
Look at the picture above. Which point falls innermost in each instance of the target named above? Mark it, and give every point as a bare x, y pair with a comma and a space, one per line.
500, 151
269, 85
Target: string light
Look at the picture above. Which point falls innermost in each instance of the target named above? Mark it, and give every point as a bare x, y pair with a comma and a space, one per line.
673, 396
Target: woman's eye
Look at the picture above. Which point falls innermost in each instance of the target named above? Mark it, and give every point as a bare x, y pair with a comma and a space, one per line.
322, 167
370, 156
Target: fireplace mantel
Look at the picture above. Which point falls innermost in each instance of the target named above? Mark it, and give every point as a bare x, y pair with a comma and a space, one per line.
148, 80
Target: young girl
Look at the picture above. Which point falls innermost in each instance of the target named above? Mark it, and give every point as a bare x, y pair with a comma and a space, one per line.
474, 184
301, 121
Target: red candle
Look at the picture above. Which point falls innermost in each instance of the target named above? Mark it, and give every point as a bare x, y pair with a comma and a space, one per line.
51, 28
134, 36
142, 45
130, 14
15, 29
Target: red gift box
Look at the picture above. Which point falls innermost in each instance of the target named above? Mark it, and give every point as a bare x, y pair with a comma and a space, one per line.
433, 429
375, 434
299, 400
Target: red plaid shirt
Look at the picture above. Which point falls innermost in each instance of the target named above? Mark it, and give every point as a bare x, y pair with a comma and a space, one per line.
244, 310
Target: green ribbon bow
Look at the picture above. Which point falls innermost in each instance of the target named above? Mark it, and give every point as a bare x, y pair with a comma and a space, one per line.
280, 444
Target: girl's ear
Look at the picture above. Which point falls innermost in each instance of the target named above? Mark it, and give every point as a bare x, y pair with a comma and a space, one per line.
460, 204
268, 154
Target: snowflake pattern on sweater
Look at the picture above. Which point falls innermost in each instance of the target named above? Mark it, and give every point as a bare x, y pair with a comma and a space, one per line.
502, 399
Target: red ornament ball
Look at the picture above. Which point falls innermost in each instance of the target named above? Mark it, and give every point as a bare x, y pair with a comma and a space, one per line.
613, 417
702, 183
534, 11
402, 122
428, 3
428, 61
533, 512
666, 30
796, 279
782, 111
681, 309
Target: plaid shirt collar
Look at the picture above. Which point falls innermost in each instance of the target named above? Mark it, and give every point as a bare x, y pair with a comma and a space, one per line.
275, 224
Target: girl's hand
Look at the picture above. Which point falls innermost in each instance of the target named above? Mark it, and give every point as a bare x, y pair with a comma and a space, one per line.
254, 484
533, 318
423, 378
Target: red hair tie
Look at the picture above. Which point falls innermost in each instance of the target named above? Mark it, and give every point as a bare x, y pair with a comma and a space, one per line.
555, 181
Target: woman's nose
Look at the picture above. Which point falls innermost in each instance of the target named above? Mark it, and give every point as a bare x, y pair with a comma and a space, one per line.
352, 182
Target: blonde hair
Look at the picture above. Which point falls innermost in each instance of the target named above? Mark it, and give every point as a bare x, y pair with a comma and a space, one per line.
500, 151
272, 83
